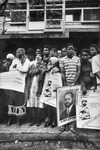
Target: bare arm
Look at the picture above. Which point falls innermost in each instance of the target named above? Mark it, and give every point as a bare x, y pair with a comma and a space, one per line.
77, 74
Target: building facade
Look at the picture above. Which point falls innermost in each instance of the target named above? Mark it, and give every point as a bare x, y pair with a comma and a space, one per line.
33, 23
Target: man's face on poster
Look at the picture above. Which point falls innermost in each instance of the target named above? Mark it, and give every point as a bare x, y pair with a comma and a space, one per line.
68, 100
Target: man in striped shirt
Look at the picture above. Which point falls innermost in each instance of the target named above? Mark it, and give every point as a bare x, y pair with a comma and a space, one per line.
70, 69
70, 66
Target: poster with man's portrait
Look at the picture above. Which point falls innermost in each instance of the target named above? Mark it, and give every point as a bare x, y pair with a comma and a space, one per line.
88, 110
66, 104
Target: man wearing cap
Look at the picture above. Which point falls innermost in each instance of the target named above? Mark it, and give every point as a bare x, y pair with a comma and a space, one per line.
5, 66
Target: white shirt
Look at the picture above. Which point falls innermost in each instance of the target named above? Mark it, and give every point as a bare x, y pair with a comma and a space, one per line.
96, 66
22, 68
69, 109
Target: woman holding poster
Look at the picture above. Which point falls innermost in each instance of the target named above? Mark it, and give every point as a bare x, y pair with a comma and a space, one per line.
53, 80
16, 105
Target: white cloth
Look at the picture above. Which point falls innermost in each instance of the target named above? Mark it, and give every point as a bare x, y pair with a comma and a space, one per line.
10, 56
22, 68
33, 100
96, 65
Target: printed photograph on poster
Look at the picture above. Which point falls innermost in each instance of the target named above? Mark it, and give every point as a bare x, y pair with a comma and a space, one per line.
88, 110
66, 104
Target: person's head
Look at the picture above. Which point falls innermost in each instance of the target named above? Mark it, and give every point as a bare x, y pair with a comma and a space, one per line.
10, 57
20, 52
59, 53
99, 48
84, 103
85, 54
63, 50
93, 49
46, 50
38, 51
70, 50
75, 51
53, 52
68, 99
39, 58
30, 54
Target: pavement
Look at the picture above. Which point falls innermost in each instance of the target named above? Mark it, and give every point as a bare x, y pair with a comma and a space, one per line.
87, 138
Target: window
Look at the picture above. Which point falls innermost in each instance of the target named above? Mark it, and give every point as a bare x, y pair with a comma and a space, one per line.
91, 14
73, 15
36, 15
18, 16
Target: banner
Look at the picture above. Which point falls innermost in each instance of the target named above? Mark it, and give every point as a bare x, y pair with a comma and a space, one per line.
51, 83
66, 104
13, 80
88, 110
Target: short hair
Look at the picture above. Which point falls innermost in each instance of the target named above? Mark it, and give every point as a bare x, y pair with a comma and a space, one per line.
63, 48
30, 51
93, 45
58, 50
69, 44
69, 92
40, 50
47, 46
21, 50
85, 50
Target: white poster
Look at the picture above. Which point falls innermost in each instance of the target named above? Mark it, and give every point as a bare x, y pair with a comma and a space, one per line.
88, 110
66, 104
51, 83
12, 80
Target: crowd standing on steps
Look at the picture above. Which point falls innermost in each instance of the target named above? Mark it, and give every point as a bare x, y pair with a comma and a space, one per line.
41, 68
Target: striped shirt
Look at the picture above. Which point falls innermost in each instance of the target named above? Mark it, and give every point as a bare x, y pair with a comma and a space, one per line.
70, 67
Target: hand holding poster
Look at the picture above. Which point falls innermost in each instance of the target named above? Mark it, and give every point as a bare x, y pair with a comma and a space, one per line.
66, 104
13, 80
88, 110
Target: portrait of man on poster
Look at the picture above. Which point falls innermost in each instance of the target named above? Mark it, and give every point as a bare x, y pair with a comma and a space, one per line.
70, 108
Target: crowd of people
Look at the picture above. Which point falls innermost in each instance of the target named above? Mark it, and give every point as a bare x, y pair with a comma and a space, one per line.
40, 67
